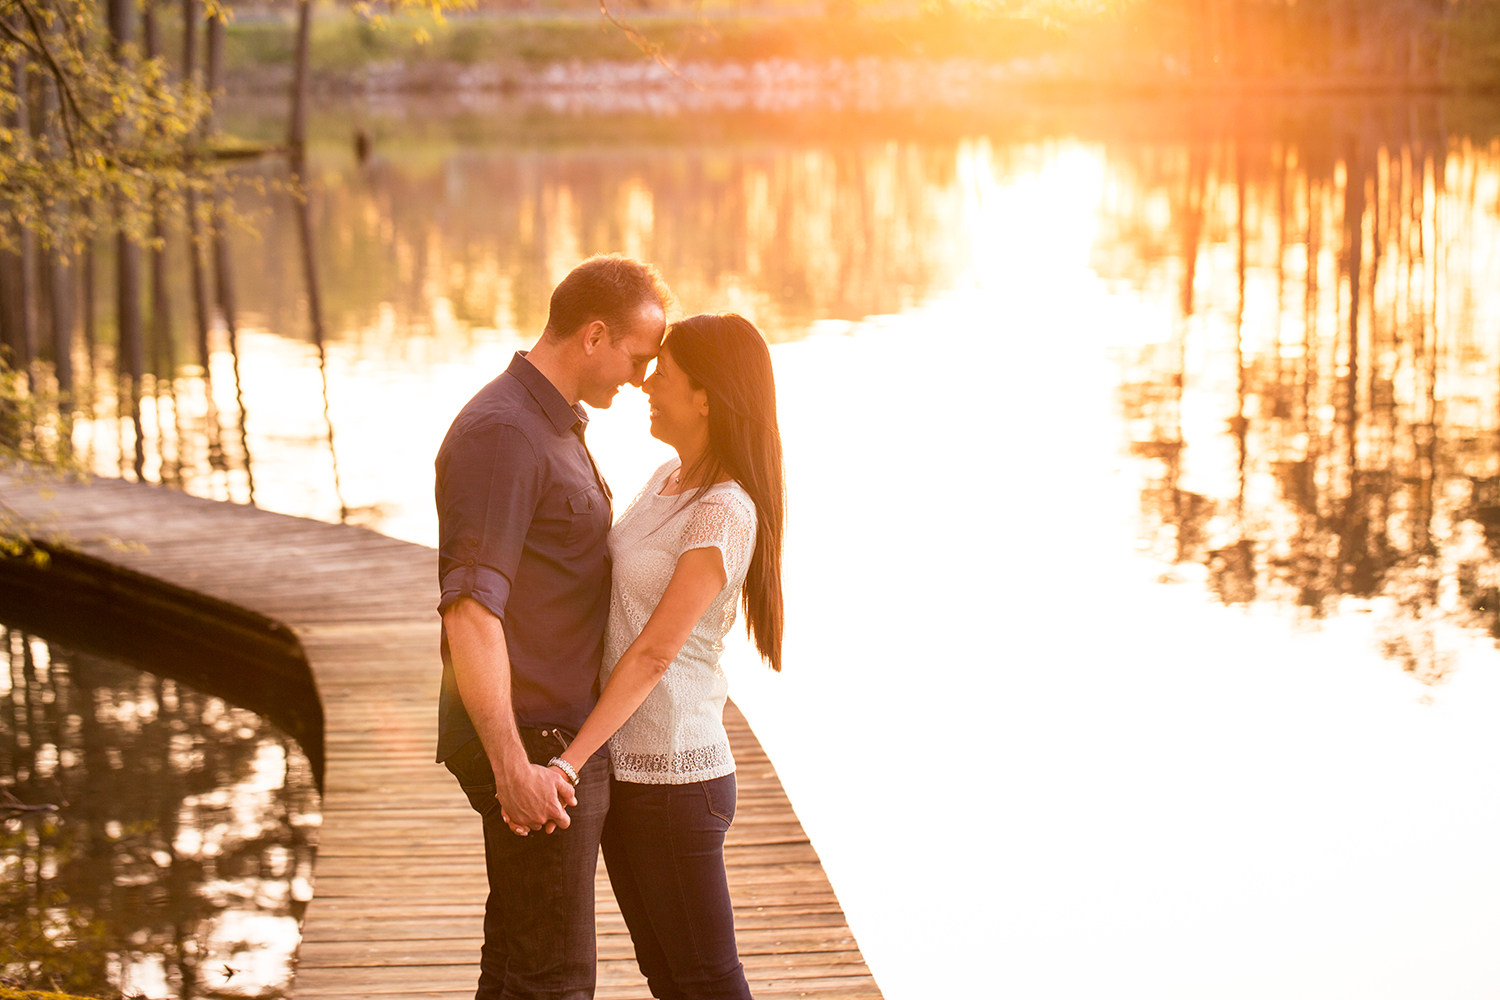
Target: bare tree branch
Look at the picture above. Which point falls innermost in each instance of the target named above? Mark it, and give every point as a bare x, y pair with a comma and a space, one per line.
10, 803
18, 39
58, 75
645, 44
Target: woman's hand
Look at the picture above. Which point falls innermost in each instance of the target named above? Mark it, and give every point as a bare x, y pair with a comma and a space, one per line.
521, 831
558, 784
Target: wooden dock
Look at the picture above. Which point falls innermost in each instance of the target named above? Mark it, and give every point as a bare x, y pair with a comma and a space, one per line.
400, 884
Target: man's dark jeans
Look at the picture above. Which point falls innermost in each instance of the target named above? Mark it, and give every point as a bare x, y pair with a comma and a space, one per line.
664, 847
539, 918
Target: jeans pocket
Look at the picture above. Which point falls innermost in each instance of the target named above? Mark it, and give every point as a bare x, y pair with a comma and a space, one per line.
544, 744
471, 766
481, 797
720, 795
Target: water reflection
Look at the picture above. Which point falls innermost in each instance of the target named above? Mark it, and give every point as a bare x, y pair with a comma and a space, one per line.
1302, 386
177, 861
478, 241
1314, 409
419, 261
1318, 427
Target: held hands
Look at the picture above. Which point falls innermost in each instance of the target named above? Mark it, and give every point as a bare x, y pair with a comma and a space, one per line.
536, 798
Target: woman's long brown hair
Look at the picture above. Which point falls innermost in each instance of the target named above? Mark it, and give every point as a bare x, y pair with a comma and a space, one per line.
726, 356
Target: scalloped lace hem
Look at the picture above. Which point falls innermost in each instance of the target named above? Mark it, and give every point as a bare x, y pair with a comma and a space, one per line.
702, 764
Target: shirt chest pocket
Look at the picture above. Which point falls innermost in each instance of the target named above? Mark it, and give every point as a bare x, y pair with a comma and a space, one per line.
588, 516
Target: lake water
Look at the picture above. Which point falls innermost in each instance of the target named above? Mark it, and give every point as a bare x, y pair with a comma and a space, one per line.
1144, 479
178, 860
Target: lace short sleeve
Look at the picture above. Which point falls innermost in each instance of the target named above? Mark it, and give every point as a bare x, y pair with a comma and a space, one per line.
724, 520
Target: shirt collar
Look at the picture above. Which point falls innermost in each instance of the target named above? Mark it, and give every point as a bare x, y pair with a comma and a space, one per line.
562, 414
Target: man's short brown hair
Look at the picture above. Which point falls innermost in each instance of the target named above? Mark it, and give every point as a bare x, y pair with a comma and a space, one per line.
609, 287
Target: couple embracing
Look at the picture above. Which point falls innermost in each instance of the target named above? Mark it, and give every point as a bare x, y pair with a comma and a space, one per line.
582, 698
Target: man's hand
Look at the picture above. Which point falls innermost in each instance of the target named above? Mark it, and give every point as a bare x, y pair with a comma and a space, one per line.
535, 799
531, 797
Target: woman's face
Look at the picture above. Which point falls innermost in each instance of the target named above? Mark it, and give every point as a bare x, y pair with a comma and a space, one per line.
679, 413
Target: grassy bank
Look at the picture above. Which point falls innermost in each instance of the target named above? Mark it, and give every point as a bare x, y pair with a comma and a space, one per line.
343, 42
1150, 42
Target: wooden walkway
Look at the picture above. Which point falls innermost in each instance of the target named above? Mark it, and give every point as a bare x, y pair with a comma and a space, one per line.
400, 882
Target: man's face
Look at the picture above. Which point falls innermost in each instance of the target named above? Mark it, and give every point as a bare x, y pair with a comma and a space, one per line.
612, 364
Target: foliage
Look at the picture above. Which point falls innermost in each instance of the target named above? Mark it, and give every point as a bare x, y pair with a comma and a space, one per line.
48, 940
343, 44
1152, 43
1473, 32
86, 120
35, 439
88, 117
140, 872
6, 993
33, 425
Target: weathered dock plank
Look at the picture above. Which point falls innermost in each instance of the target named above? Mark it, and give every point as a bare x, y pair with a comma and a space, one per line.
400, 870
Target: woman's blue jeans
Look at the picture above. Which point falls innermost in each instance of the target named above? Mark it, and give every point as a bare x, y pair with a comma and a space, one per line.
664, 848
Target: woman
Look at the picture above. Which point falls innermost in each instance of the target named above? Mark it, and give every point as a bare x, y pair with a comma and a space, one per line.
705, 530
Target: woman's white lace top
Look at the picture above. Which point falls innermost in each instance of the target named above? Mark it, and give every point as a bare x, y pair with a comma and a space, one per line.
677, 735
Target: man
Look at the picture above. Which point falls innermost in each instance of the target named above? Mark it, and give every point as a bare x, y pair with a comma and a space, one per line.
523, 518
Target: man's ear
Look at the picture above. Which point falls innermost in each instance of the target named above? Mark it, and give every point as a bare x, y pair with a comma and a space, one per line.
593, 335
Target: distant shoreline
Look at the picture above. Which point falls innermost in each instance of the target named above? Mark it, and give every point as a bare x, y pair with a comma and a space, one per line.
869, 81
766, 61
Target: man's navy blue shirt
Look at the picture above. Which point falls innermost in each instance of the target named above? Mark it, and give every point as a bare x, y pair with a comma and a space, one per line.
523, 529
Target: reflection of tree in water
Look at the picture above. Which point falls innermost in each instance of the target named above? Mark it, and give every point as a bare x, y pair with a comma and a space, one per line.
179, 860
1320, 428
794, 234
413, 256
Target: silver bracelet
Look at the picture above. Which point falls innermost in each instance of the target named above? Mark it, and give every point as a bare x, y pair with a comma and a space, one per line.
566, 769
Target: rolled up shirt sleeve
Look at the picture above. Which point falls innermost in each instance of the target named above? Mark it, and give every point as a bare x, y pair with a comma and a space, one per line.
488, 486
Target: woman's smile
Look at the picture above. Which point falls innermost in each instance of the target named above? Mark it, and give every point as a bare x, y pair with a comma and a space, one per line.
679, 413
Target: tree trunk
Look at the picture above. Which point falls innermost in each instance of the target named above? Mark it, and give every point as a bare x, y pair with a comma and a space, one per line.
224, 288
161, 356
215, 68
1441, 70
163, 350
23, 342
121, 26
297, 133
10, 298
223, 280
191, 11
26, 342
226, 307
151, 39
90, 324
130, 361
57, 275
60, 293
315, 308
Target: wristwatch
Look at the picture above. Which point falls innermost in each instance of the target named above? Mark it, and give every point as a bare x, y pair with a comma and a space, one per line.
566, 769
